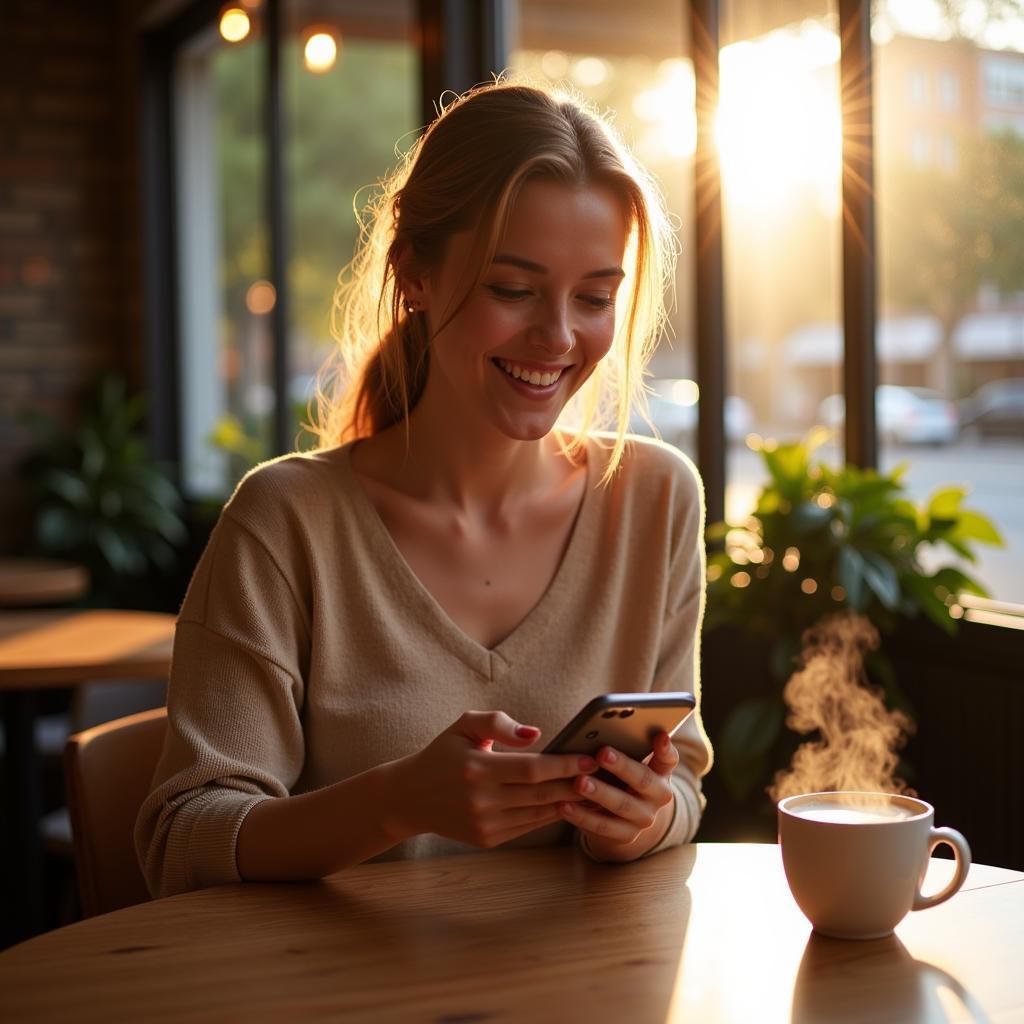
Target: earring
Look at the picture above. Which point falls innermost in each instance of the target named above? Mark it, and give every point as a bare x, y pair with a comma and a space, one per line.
410, 307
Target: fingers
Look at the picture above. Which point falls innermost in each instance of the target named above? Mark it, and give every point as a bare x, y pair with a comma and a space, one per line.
621, 804
534, 768
638, 775
539, 795
600, 823
638, 806
665, 756
483, 728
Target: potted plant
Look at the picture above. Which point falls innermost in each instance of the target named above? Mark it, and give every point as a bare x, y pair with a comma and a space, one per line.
819, 540
101, 500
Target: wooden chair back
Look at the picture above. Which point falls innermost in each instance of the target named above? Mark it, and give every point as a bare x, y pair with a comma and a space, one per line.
108, 771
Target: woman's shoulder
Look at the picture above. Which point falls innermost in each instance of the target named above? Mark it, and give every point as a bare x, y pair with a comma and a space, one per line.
299, 484
649, 465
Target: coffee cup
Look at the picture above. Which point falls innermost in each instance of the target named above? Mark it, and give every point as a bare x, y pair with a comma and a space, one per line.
855, 861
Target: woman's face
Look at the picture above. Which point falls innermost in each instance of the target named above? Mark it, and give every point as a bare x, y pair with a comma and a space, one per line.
541, 318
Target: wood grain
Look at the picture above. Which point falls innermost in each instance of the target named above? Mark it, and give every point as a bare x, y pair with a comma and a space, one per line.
701, 933
59, 648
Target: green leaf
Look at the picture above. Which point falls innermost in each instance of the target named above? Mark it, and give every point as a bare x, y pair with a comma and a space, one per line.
73, 489
881, 578
924, 590
753, 725
957, 582
851, 578
808, 517
816, 437
120, 551
945, 503
974, 526
94, 453
716, 532
750, 731
788, 467
768, 503
58, 529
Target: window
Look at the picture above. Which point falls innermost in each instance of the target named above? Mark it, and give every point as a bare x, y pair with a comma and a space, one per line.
1003, 79
949, 91
342, 125
223, 259
917, 88
346, 97
920, 147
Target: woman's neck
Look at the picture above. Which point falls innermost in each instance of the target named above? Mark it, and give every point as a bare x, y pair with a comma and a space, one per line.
483, 475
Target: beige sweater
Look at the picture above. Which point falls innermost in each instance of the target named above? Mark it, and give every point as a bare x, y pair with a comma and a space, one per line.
307, 651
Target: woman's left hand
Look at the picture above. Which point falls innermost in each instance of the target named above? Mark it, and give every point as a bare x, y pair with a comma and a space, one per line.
623, 824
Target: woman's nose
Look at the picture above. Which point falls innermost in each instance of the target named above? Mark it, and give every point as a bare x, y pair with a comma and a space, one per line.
554, 334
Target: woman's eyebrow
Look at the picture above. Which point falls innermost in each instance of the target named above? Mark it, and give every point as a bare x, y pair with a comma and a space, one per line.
537, 268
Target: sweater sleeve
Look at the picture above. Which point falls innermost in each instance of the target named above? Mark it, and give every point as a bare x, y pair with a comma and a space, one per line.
678, 663
235, 697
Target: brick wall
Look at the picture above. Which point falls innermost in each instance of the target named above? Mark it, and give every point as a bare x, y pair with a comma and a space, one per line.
69, 246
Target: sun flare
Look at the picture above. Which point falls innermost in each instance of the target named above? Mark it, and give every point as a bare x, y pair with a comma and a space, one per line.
778, 127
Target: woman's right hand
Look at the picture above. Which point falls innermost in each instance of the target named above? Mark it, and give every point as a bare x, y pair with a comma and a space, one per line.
458, 787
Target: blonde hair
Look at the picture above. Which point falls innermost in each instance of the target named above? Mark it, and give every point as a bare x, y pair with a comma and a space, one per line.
466, 171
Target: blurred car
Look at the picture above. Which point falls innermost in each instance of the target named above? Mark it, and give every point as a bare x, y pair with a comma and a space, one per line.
673, 407
904, 415
996, 408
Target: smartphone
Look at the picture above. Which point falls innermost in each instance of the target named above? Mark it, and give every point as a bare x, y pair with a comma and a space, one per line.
626, 721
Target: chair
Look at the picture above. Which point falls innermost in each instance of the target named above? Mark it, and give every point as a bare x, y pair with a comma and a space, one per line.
107, 773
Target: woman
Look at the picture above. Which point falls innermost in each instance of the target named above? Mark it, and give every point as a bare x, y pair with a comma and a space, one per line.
449, 547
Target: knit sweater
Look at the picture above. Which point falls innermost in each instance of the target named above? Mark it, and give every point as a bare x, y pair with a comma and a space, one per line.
307, 651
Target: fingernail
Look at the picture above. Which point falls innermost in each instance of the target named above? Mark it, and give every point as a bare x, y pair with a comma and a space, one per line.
527, 730
587, 786
588, 764
610, 756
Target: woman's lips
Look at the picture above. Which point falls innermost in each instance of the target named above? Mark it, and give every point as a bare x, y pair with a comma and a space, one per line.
538, 392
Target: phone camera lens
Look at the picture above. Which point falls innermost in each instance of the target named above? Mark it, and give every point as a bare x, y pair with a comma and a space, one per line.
592, 735
626, 713
609, 714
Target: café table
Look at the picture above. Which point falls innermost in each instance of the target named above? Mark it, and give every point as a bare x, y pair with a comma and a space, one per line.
50, 649
40, 581
702, 933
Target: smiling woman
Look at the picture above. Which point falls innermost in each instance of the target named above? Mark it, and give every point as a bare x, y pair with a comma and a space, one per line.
460, 187
454, 543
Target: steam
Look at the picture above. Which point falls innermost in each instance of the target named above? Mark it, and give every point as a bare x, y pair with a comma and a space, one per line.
829, 693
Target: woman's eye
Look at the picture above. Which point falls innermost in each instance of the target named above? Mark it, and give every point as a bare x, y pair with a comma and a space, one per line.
508, 293
598, 301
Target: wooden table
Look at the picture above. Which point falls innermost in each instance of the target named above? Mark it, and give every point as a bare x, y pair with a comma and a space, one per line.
701, 933
35, 581
44, 650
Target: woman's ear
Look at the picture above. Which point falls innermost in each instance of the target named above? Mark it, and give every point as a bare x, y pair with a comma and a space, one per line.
412, 281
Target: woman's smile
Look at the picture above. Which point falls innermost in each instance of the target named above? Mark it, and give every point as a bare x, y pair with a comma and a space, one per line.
531, 373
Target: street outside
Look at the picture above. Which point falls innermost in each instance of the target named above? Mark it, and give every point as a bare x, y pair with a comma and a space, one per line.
992, 469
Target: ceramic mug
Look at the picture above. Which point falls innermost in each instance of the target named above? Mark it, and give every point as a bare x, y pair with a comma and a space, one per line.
855, 861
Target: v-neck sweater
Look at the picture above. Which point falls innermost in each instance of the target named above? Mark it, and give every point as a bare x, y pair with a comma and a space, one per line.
307, 650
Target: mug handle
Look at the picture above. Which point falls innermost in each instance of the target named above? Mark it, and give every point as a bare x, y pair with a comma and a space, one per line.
936, 837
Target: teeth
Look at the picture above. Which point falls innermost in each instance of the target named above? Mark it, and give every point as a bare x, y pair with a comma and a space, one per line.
534, 377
